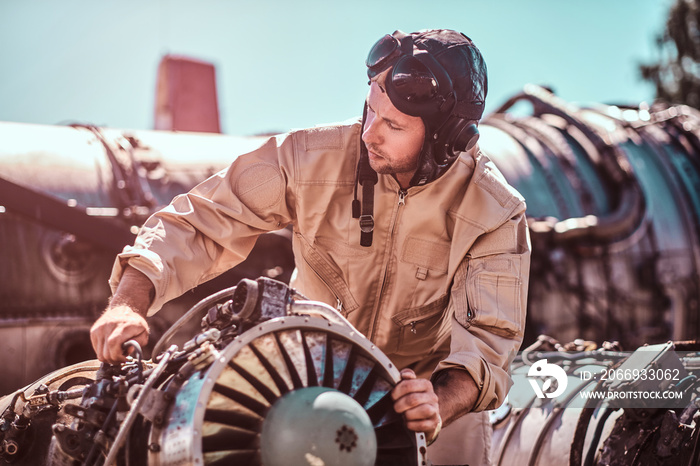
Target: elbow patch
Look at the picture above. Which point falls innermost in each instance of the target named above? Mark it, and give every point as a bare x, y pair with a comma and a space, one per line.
260, 186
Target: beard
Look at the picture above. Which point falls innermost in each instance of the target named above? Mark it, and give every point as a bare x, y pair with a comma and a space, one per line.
385, 165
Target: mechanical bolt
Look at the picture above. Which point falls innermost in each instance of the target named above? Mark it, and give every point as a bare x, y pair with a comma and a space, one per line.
10, 447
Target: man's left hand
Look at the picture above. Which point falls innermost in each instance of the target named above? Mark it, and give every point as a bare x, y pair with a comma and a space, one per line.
417, 401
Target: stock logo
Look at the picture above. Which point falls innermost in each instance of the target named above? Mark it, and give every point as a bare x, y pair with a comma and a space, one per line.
549, 372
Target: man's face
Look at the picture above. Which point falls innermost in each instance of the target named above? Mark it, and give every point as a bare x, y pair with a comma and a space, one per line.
393, 139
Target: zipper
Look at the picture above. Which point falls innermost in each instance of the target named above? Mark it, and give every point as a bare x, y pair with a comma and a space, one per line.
402, 197
401, 202
339, 303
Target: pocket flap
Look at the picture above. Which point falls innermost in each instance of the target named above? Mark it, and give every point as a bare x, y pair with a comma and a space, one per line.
421, 313
328, 275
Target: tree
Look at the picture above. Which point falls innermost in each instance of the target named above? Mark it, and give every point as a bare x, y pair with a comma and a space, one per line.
677, 73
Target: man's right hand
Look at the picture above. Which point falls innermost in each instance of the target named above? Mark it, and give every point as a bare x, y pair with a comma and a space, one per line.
124, 318
116, 326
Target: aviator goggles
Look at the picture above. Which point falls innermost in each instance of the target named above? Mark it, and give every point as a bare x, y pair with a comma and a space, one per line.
417, 85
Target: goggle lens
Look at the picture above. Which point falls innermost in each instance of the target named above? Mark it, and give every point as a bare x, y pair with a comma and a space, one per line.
413, 81
382, 50
417, 85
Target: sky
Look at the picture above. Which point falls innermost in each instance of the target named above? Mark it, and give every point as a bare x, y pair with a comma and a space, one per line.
284, 64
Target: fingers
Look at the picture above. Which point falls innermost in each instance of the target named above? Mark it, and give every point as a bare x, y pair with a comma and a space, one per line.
112, 329
410, 384
416, 400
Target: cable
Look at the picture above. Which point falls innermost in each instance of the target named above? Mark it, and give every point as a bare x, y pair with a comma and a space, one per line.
134, 411
105, 425
139, 355
196, 309
596, 436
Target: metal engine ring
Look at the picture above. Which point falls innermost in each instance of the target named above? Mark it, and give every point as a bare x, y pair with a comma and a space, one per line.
217, 415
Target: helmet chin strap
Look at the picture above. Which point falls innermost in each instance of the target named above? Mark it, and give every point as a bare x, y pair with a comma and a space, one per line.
425, 172
367, 178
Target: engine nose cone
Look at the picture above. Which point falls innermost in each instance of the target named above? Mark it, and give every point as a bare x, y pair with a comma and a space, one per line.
317, 426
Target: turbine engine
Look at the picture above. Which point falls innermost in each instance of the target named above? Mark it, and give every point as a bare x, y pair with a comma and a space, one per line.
604, 406
272, 378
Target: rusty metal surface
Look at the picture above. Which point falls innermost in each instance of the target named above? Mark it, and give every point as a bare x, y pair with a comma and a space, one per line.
72, 196
614, 211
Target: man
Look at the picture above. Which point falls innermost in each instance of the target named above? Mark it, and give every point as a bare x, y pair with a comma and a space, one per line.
398, 220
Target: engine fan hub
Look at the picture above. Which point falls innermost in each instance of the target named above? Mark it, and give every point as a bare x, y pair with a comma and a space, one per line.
318, 425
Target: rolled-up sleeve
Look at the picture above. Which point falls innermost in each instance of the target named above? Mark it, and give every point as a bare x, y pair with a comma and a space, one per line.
489, 299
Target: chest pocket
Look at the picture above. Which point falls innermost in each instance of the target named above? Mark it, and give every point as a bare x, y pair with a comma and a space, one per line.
426, 255
419, 328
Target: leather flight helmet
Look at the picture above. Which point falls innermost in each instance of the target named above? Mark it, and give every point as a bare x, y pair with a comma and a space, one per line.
440, 76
